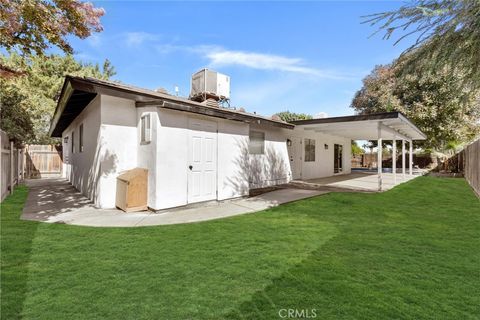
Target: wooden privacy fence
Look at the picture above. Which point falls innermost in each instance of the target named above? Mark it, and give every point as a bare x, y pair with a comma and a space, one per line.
12, 163
466, 162
471, 156
366, 160
369, 160
33, 161
43, 161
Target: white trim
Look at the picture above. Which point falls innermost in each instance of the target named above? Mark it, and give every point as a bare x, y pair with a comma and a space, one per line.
394, 159
410, 158
395, 133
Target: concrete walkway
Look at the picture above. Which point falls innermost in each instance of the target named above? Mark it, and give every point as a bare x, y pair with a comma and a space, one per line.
56, 201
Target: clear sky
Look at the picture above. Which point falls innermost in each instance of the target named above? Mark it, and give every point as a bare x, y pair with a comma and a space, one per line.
299, 56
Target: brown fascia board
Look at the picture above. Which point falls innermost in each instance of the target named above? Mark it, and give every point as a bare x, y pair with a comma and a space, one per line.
65, 94
213, 112
146, 97
375, 116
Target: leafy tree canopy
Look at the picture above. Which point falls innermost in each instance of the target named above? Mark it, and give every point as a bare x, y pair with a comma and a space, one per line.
356, 149
32, 26
14, 115
288, 116
29, 101
435, 103
448, 34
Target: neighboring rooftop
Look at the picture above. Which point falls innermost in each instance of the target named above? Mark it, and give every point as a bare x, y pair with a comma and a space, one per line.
8, 72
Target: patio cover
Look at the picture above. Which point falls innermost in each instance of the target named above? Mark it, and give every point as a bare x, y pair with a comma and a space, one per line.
366, 127
380, 126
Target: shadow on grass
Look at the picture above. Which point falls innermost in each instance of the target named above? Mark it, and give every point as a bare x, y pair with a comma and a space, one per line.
16, 247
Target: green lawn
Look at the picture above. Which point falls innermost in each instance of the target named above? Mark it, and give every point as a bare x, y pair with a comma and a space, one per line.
409, 253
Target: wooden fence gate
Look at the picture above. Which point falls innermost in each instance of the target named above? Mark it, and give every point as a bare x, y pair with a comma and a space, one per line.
43, 161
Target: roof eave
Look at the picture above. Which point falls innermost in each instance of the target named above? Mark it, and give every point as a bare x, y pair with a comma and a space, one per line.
212, 112
65, 94
367, 117
139, 95
403, 118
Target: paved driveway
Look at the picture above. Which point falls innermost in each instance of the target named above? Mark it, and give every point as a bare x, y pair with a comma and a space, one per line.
56, 201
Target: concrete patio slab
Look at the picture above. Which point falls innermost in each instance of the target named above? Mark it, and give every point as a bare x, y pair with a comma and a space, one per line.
363, 181
56, 201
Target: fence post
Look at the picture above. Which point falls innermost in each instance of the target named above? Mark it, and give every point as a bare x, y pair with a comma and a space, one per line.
19, 163
24, 158
11, 167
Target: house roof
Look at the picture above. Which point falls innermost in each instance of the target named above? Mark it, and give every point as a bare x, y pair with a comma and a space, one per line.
366, 127
78, 92
7, 72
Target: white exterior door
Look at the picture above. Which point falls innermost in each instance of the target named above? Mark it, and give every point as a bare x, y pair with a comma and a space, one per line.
295, 156
202, 160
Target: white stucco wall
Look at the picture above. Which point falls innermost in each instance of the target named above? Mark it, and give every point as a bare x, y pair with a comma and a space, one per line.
117, 145
147, 152
323, 166
272, 167
112, 144
171, 158
109, 135
233, 170
79, 166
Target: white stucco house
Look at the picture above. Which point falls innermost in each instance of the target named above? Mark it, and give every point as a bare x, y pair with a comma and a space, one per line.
196, 152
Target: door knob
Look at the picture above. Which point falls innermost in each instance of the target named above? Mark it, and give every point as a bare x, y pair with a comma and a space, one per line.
190, 167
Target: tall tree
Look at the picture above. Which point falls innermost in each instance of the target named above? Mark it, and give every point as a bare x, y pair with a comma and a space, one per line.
431, 101
288, 116
36, 92
356, 149
14, 114
32, 26
447, 35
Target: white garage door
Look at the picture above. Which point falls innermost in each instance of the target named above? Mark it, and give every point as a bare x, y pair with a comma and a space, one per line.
202, 160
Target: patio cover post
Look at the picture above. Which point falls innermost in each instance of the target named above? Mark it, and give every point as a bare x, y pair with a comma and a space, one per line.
403, 158
379, 156
394, 159
410, 157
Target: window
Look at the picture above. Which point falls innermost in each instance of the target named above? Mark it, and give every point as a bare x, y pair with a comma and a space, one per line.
309, 150
65, 147
146, 134
73, 141
256, 144
80, 139
337, 158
